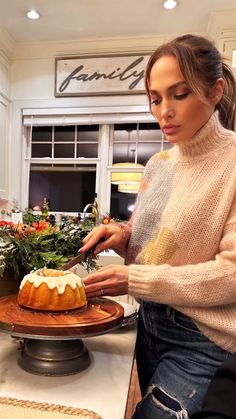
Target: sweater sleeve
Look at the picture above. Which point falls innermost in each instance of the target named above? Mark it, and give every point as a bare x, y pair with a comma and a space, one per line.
206, 284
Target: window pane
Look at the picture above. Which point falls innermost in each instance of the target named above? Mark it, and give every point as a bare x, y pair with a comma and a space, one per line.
64, 150
64, 133
41, 150
121, 203
87, 133
42, 134
87, 150
68, 190
125, 132
146, 150
124, 152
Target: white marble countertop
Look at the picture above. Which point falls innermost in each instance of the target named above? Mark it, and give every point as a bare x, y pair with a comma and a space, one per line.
102, 387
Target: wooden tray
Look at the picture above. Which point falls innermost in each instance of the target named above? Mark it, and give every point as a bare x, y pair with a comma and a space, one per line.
98, 317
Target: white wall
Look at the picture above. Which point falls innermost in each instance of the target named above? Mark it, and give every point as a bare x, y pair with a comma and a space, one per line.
4, 126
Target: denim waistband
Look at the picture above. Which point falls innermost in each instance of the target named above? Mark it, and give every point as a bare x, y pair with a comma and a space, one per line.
157, 317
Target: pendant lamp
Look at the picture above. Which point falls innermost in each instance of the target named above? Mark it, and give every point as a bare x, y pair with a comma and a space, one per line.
127, 177
129, 188
128, 181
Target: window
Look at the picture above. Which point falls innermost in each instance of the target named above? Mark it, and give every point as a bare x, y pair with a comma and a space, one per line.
65, 141
55, 168
132, 143
68, 187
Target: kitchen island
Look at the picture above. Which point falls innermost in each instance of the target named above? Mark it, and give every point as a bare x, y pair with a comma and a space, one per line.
103, 387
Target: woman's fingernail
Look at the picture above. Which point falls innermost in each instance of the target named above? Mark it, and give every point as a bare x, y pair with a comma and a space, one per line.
97, 251
80, 250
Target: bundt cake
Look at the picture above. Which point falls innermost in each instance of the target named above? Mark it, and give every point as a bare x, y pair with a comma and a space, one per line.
52, 290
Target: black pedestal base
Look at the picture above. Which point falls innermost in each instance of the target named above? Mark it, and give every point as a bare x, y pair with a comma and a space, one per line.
53, 357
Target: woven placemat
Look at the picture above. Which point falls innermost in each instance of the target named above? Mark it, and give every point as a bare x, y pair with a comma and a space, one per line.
25, 409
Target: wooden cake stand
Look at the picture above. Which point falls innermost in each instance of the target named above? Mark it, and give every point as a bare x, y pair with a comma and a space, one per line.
52, 341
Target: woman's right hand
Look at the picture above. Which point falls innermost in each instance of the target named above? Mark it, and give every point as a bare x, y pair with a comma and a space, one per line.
111, 236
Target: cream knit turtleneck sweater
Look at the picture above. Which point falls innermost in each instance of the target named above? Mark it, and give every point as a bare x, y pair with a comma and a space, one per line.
183, 240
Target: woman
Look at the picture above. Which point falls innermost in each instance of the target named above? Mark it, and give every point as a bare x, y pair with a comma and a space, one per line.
180, 245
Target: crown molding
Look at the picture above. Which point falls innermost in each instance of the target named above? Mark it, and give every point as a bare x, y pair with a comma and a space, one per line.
47, 50
38, 50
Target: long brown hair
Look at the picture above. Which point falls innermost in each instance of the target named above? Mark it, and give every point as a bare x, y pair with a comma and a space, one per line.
201, 65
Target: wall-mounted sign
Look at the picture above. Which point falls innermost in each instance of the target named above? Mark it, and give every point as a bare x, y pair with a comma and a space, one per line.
100, 75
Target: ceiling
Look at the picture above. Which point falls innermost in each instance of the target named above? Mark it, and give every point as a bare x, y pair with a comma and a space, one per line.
80, 19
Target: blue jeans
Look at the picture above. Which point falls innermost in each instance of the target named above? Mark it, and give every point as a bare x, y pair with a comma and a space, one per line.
175, 361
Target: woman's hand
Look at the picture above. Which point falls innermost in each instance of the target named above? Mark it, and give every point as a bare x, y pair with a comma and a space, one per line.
109, 280
105, 237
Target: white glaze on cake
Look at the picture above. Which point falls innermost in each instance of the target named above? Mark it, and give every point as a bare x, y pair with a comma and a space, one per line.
59, 282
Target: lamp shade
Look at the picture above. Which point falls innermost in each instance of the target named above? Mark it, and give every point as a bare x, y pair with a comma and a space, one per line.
132, 188
126, 178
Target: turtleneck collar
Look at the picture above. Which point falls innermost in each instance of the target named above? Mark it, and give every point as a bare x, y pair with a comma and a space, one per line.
210, 137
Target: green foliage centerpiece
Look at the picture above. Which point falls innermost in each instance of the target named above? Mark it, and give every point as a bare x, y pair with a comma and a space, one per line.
37, 243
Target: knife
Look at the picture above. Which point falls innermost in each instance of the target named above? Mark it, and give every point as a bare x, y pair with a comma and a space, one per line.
80, 258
